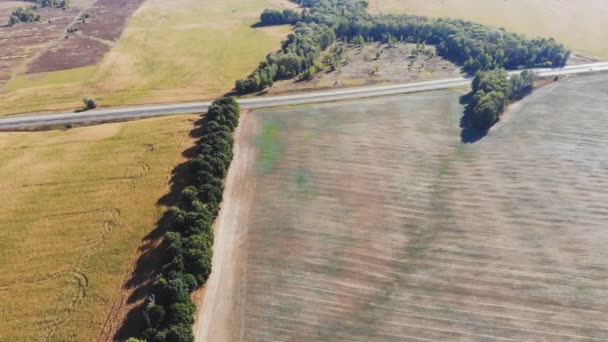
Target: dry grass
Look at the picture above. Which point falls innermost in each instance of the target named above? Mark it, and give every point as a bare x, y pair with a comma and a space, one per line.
372, 222
75, 205
582, 25
171, 51
396, 64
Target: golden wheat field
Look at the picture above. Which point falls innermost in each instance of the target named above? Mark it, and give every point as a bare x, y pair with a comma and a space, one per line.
75, 206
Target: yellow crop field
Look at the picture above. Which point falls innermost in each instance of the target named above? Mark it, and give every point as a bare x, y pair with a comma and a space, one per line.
75, 206
581, 25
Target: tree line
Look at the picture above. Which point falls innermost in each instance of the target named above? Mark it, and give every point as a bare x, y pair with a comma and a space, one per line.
473, 46
169, 311
299, 55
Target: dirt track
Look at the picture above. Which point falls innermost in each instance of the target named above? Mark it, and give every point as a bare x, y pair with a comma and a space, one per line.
217, 321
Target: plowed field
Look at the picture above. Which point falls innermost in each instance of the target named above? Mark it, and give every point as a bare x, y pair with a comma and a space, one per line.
370, 221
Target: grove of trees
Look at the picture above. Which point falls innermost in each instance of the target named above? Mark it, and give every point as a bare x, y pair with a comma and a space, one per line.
492, 92
299, 54
25, 15
473, 46
28, 15
169, 311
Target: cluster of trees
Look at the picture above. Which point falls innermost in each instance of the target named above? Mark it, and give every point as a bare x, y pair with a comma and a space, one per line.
298, 57
28, 15
475, 47
169, 311
276, 17
23, 15
522, 85
492, 92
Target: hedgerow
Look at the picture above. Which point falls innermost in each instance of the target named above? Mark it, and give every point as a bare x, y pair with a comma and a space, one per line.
169, 311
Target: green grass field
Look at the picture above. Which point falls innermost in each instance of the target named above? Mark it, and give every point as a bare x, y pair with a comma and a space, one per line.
75, 206
184, 50
581, 25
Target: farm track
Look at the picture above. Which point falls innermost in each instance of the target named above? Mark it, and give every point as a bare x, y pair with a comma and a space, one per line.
375, 223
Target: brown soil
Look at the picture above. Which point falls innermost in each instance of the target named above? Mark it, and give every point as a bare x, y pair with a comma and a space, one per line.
372, 222
362, 66
219, 318
94, 38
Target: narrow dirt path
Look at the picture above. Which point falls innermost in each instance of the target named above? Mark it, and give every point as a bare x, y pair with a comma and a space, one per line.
224, 292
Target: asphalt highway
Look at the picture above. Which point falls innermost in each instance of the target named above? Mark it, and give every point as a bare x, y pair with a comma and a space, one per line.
28, 120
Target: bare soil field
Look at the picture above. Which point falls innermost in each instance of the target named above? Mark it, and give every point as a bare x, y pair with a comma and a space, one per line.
372, 222
24, 41
94, 37
74, 209
363, 66
581, 25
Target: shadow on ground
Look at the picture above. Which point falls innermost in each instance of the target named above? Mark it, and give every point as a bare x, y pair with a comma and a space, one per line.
152, 251
469, 133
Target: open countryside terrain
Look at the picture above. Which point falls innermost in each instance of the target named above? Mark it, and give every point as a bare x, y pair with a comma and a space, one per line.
170, 51
581, 25
21, 43
377, 63
369, 220
76, 205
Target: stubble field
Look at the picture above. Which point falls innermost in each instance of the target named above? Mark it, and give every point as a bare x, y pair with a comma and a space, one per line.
371, 221
74, 209
182, 50
581, 25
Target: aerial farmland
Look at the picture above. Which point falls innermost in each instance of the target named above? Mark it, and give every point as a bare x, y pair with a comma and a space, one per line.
303, 170
370, 220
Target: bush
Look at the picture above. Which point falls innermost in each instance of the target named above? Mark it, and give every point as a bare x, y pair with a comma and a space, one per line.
89, 103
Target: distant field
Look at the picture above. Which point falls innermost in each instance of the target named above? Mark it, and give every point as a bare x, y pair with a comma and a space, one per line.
171, 51
582, 25
75, 206
370, 221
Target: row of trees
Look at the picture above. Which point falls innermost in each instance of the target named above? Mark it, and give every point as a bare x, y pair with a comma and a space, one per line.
299, 54
169, 311
475, 47
492, 92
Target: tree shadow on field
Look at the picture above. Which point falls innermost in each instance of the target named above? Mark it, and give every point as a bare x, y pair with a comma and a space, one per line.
152, 250
469, 133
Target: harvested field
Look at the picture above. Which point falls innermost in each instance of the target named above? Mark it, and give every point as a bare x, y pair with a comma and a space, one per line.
74, 209
94, 37
581, 25
363, 66
182, 50
372, 222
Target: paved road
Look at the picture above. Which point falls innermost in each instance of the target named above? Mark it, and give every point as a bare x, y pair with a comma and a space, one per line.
20, 121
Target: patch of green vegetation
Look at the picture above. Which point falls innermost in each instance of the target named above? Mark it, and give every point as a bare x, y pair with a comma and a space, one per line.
269, 146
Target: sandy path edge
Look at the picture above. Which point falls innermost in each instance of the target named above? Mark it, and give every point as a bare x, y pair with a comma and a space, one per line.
223, 292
